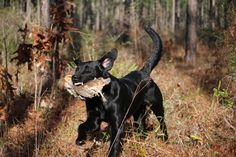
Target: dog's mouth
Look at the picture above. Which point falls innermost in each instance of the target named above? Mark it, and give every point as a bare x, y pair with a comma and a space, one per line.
89, 89
82, 83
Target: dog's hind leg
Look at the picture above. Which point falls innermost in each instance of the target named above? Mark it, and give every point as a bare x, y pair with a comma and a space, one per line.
140, 120
156, 101
162, 126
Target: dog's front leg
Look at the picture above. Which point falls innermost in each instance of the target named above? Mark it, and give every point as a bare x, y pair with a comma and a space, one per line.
92, 124
117, 134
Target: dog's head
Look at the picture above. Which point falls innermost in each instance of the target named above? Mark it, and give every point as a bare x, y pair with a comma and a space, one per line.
86, 71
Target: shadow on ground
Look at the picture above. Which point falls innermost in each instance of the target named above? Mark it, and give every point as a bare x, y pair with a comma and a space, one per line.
25, 147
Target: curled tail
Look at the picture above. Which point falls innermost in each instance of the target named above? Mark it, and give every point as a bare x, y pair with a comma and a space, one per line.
156, 54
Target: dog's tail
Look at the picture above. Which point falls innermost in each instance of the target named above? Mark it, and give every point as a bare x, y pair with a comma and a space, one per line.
156, 54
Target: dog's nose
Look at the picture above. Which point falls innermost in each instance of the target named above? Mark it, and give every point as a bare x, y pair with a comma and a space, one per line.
75, 79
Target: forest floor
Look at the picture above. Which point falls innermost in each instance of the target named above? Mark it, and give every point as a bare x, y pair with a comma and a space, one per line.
197, 124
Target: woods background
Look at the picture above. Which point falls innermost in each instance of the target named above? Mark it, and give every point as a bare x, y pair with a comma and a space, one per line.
39, 39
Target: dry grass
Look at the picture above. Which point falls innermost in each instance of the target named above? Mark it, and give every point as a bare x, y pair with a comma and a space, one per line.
197, 124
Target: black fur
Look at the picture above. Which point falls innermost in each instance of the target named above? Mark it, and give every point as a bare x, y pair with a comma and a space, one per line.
130, 94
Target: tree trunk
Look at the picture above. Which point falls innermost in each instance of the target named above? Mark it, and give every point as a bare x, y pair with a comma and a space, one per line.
81, 14
191, 33
103, 5
212, 14
218, 17
226, 3
127, 15
134, 29
158, 16
38, 11
90, 14
173, 16
98, 16
167, 28
23, 5
177, 20
162, 17
5, 52
86, 14
74, 45
6, 3
45, 13
140, 13
200, 13
28, 11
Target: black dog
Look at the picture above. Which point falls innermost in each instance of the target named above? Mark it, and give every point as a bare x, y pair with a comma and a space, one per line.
125, 97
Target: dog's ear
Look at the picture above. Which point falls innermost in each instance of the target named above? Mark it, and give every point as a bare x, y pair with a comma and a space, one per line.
108, 59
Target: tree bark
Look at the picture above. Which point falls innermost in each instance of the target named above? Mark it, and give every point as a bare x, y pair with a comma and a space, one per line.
23, 5
201, 13
177, 20
212, 18
167, 22
98, 16
45, 13
74, 45
86, 13
140, 12
173, 15
162, 17
6, 3
218, 17
5, 52
126, 20
28, 11
156, 19
38, 11
226, 3
191, 33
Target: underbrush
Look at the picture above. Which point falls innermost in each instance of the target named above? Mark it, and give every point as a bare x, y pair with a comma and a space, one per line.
221, 60
9, 40
23, 138
197, 124
232, 68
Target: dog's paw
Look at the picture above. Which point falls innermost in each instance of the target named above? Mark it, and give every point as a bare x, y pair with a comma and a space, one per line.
79, 142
